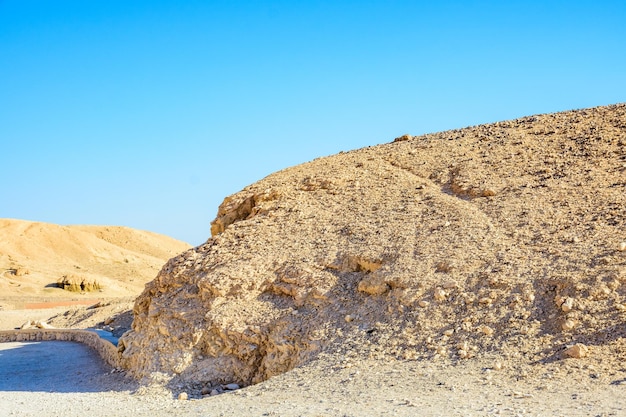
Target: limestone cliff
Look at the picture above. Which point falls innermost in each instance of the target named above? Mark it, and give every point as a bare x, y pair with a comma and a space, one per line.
502, 238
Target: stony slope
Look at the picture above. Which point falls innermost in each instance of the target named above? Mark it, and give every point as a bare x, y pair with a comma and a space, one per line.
502, 239
34, 256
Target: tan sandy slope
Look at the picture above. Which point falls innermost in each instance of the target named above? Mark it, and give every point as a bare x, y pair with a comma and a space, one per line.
33, 256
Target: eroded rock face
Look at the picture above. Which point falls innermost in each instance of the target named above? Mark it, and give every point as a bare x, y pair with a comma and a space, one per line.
75, 283
450, 244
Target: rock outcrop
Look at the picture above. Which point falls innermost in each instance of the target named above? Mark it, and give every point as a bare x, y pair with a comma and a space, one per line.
71, 282
502, 238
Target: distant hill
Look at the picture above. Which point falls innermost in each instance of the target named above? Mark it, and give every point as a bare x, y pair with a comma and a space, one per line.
34, 256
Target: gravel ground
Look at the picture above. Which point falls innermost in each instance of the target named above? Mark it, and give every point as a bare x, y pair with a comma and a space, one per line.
66, 379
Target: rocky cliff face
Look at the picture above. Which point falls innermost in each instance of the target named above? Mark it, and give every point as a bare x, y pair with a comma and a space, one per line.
504, 238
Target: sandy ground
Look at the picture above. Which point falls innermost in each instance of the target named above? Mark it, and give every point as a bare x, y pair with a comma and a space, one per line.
14, 319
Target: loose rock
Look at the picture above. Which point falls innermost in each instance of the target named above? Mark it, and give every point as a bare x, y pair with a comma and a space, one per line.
486, 330
440, 294
577, 351
567, 305
568, 324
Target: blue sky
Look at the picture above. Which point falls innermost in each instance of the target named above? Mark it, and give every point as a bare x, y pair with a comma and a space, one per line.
148, 113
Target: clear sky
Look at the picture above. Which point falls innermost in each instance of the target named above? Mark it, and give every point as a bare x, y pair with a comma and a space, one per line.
148, 113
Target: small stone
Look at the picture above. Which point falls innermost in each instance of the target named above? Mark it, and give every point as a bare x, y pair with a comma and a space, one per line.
577, 351
568, 325
486, 330
448, 332
497, 366
205, 391
409, 355
28, 325
41, 324
622, 246
450, 285
463, 346
373, 286
231, 387
567, 305
183, 396
486, 301
559, 300
108, 321
348, 318
21, 271
443, 267
440, 294
614, 285
403, 138
214, 392
423, 303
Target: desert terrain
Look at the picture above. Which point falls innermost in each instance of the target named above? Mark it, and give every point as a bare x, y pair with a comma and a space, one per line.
36, 256
480, 271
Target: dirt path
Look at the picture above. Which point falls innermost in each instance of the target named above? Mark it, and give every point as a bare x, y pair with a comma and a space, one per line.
49, 367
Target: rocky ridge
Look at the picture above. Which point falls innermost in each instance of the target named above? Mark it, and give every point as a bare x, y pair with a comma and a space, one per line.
504, 239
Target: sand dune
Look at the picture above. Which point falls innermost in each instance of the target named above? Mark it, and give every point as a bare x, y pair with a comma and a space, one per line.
34, 256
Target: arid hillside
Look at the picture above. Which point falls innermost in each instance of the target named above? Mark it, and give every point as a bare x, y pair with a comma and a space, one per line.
505, 239
35, 256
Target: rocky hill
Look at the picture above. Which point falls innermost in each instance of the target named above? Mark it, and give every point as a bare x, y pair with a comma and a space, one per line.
505, 239
35, 257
